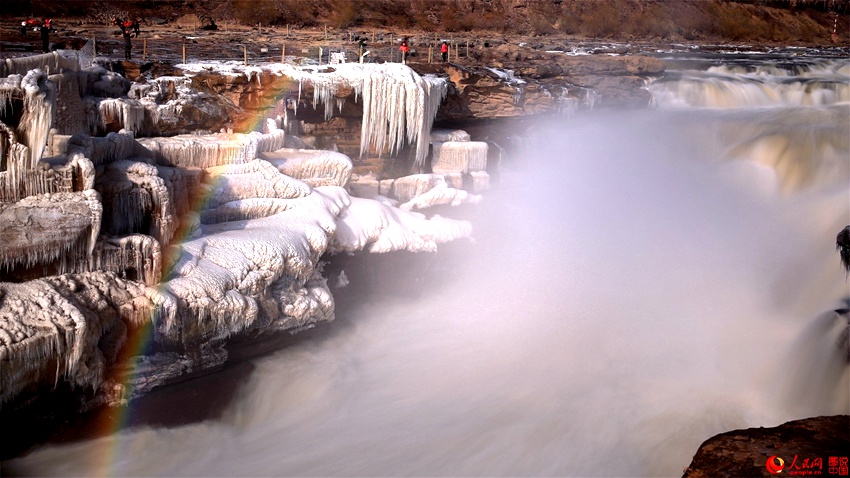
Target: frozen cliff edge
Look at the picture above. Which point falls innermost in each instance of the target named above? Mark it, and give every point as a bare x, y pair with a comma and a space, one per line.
128, 262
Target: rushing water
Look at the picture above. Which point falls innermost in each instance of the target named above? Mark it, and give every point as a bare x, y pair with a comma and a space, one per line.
640, 282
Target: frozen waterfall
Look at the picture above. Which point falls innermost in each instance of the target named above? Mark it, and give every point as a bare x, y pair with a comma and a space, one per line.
399, 105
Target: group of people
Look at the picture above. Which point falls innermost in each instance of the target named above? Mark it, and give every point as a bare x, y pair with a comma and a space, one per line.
44, 27
129, 28
405, 51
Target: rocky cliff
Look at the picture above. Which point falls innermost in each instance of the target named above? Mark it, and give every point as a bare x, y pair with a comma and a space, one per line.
814, 446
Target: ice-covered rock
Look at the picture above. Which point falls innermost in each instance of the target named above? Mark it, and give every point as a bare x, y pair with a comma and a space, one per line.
459, 156
373, 226
63, 328
399, 105
201, 236
206, 151
364, 186
315, 167
444, 135
38, 230
441, 194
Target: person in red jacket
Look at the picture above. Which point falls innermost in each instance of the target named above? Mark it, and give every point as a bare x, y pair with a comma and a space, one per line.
444, 51
404, 49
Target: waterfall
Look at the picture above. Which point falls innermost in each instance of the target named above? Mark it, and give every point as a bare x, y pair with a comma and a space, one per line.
640, 281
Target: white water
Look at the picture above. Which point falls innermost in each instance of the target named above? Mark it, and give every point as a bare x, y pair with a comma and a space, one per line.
630, 295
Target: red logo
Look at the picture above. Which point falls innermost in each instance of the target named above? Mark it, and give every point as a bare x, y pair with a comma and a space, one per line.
775, 465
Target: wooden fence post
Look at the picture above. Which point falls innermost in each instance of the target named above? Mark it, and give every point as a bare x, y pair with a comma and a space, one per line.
245, 54
144, 49
283, 53
184, 53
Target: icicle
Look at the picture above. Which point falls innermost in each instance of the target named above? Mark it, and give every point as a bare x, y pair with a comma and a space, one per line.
129, 113
52, 62
398, 105
38, 115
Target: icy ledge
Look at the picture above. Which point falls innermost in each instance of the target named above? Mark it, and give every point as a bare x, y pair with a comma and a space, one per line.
259, 275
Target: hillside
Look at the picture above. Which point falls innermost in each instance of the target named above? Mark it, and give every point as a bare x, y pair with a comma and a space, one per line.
781, 21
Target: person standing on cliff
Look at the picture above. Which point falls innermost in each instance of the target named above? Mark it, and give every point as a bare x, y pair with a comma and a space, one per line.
128, 45
44, 29
362, 47
444, 51
404, 49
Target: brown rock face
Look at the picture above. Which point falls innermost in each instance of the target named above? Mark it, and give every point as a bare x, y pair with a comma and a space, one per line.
808, 447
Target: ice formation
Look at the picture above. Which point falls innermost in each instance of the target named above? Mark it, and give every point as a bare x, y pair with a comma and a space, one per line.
372, 225
421, 191
37, 118
237, 272
201, 236
399, 105
43, 228
135, 257
77, 323
49, 63
255, 179
444, 135
460, 156
315, 167
441, 194
129, 113
206, 151
136, 199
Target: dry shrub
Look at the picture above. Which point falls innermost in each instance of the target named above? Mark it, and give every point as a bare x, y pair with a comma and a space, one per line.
541, 25
651, 22
568, 22
600, 20
345, 13
274, 12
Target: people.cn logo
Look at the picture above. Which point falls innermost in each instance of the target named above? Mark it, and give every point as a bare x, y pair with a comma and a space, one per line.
775, 465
